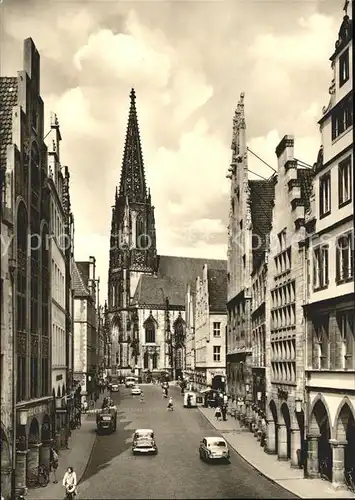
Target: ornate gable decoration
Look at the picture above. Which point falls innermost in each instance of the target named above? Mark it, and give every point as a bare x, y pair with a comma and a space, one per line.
150, 322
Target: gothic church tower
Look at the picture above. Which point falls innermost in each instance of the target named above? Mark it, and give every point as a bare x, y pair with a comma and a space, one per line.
132, 243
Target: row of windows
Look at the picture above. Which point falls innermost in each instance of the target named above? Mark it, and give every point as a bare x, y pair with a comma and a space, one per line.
282, 372
39, 382
283, 295
344, 188
283, 317
283, 261
58, 227
259, 291
58, 345
259, 346
283, 350
58, 284
344, 255
343, 338
342, 116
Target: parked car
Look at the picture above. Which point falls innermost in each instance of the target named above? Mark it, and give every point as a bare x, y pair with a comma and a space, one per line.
144, 442
106, 420
136, 390
130, 381
214, 448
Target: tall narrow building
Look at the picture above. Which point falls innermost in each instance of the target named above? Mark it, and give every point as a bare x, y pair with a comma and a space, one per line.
146, 291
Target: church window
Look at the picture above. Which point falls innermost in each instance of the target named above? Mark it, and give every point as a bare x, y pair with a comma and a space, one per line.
149, 332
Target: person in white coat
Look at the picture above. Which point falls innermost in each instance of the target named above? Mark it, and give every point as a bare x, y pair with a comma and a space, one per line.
69, 480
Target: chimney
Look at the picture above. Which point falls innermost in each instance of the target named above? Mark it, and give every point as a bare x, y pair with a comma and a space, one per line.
92, 267
285, 150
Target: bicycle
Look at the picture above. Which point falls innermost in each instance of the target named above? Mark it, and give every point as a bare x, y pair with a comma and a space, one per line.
43, 475
323, 470
349, 481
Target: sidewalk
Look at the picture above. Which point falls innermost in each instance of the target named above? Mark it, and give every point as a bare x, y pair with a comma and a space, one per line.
278, 472
80, 447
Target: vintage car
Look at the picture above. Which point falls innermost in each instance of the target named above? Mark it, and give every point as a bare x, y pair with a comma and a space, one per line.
213, 448
130, 381
115, 387
106, 419
144, 442
136, 390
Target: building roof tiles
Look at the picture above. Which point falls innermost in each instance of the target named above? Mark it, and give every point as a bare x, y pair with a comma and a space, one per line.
8, 99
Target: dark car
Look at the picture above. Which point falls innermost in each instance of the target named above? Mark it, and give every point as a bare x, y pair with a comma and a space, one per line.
106, 420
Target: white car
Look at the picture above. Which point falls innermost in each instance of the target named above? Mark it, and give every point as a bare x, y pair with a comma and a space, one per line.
136, 391
144, 442
214, 448
115, 388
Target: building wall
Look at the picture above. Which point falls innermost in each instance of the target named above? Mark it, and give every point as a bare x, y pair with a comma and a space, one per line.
214, 368
202, 321
284, 311
81, 328
6, 324
239, 351
190, 332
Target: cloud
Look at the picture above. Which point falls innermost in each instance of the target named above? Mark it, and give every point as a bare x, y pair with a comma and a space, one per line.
186, 95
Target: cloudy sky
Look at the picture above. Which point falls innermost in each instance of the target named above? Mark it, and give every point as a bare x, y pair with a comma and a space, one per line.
188, 61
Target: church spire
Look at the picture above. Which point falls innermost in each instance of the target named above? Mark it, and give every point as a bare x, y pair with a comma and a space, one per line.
132, 183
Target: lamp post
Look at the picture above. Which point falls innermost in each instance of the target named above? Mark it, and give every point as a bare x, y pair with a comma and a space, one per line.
12, 264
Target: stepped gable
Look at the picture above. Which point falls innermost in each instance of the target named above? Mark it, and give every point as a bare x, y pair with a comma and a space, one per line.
217, 290
8, 99
173, 276
262, 196
80, 288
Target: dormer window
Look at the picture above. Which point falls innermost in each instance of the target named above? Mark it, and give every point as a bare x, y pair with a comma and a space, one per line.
344, 67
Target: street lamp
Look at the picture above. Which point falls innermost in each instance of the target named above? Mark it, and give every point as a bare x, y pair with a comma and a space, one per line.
22, 416
12, 264
298, 405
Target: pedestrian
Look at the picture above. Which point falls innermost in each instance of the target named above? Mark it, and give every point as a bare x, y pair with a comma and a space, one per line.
224, 412
54, 462
218, 413
69, 480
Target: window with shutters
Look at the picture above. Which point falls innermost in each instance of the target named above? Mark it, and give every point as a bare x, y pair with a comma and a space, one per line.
345, 321
320, 356
344, 182
324, 195
320, 267
345, 258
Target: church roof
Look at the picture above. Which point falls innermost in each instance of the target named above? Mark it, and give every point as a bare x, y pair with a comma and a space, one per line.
8, 99
217, 290
132, 182
80, 288
173, 276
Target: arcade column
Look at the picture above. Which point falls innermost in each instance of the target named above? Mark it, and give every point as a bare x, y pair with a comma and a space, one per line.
312, 456
295, 448
20, 476
338, 449
270, 447
32, 462
282, 442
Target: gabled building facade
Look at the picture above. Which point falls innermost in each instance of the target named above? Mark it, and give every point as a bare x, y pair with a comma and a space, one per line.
190, 352
146, 291
210, 329
85, 326
329, 307
27, 201
249, 226
285, 330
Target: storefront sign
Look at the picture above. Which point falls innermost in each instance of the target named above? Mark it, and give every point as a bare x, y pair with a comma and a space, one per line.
36, 410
